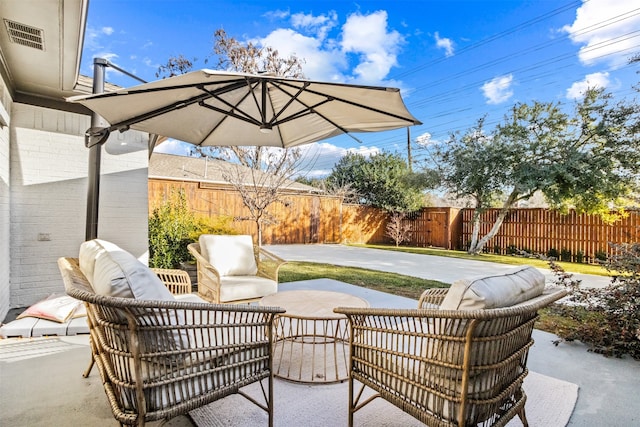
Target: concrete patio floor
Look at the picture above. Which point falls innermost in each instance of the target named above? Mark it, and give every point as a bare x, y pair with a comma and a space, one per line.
47, 389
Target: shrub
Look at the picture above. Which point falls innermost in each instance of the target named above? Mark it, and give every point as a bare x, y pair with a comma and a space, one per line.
607, 319
565, 255
172, 226
553, 253
512, 249
601, 256
397, 229
580, 257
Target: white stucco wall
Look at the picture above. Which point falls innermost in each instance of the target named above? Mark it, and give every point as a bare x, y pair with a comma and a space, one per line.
48, 173
5, 120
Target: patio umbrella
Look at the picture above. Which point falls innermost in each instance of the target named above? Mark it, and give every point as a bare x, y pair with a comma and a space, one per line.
216, 108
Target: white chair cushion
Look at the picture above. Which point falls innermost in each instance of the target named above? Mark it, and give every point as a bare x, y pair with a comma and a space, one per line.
230, 255
501, 290
234, 288
114, 272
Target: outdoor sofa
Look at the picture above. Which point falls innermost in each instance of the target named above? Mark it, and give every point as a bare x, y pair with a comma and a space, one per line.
161, 356
459, 359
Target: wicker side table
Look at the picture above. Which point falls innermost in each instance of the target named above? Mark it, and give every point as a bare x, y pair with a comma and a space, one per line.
311, 342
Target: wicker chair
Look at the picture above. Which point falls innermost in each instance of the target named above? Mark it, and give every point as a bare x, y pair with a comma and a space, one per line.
161, 359
216, 286
177, 281
444, 367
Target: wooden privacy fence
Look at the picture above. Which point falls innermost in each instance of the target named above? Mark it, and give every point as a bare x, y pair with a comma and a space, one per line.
306, 218
579, 237
312, 218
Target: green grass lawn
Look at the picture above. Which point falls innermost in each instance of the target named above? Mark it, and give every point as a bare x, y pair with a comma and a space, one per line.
569, 267
392, 283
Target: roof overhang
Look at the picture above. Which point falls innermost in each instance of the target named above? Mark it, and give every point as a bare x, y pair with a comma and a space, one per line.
41, 48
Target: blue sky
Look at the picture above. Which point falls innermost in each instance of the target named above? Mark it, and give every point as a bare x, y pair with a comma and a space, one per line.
455, 61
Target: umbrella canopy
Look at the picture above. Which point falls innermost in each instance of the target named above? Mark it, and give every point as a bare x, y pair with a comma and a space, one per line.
215, 108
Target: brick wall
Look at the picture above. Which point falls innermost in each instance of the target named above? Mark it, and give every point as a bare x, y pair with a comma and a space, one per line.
48, 171
5, 108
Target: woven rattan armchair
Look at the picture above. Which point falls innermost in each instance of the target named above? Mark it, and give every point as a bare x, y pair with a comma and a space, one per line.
177, 281
216, 286
444, 367
161, 359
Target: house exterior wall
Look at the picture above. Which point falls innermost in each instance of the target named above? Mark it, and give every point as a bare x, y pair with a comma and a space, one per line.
48, 175
5, 107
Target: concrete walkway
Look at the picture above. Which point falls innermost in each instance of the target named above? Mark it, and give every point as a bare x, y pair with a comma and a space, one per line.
443, 269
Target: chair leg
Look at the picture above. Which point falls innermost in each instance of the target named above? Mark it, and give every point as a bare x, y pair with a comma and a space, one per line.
86, 373
351, 402
523, 417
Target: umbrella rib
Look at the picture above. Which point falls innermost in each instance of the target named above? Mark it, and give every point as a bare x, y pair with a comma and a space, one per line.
274, 120
355, 104
311, 110
157, 112
244, 117
168, 108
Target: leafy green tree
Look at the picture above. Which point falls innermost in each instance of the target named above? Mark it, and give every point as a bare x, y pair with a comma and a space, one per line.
382, 180
588, 161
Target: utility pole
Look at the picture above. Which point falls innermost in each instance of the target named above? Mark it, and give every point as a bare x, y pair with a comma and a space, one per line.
409, 159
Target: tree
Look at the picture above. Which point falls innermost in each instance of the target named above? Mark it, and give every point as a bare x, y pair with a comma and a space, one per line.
270, 167
589, 161
397, 229
260, 185
382, 180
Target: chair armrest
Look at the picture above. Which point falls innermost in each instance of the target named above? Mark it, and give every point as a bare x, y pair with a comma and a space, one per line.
177, 281
432, 297
268, 263
208, 275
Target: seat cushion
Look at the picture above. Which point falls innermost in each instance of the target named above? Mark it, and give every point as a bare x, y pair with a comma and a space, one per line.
230, 255
500, 290
233, 288
114, 272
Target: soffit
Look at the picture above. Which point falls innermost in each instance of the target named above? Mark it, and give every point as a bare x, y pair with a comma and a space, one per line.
41, 46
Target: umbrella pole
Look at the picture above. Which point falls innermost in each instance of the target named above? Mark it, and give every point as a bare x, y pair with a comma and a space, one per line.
95, 155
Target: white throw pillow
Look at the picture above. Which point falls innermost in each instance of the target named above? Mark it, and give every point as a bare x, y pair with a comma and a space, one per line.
114, 272
230, 255
501, 290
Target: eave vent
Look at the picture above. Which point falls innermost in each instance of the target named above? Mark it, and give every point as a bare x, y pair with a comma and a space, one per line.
25, 35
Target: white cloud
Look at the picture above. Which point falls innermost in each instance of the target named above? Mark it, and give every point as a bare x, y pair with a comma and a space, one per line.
444, 43
424, 139
319, 25
590, 81
172, 146
498, 90
277, 14
368, 37
363, 50
601, 27
320, 63
107, 30
321, 157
